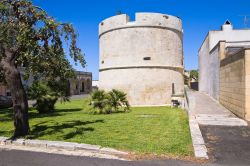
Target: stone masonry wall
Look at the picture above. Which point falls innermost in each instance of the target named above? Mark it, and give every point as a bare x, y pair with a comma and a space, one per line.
233, 83
247, 83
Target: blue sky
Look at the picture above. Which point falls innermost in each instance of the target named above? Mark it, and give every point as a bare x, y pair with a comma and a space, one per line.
198, 16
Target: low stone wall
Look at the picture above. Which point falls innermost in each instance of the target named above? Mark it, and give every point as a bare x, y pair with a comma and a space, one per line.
234, 83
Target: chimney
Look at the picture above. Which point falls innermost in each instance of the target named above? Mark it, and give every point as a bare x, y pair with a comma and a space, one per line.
227, 26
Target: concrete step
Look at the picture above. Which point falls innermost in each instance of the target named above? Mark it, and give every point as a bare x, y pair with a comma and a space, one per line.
220, 120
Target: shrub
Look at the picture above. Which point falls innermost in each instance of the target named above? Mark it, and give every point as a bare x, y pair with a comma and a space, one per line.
118, 99
46, 104
44, 96
109, 102
99, 100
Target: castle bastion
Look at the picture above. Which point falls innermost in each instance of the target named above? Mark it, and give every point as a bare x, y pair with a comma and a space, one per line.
143, 58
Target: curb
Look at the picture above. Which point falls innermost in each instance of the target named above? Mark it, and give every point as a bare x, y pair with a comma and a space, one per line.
59, 145
200, 149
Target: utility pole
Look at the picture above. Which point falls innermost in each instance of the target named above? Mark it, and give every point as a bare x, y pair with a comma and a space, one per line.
245, 20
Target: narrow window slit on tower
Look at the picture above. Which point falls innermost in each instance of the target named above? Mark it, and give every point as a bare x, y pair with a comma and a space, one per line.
147, 58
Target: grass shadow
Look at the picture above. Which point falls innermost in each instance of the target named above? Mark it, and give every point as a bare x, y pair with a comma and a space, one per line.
5, 133
6, 114
45, 128
58, 112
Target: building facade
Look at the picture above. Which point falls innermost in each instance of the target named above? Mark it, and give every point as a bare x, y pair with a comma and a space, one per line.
95, 85
143, 58
82, 84
234, 86
223, 67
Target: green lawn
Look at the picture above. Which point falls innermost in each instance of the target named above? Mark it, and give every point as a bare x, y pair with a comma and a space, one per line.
160, 130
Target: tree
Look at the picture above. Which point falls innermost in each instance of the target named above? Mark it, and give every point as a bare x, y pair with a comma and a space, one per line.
194, 74
30, 37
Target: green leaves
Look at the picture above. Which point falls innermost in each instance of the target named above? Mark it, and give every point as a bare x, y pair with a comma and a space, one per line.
47, 92
37, 39
99, 100
118, 99
194, 74
110, 102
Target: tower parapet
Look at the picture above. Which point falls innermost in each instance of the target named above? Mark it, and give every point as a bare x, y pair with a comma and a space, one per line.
156, 20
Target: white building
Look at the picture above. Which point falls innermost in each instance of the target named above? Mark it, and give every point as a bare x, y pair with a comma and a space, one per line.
95, 84
209, 58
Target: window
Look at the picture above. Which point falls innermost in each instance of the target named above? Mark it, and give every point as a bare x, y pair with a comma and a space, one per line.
147, 58
83, 87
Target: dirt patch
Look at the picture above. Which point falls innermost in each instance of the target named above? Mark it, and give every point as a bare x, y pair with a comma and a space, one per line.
141, 157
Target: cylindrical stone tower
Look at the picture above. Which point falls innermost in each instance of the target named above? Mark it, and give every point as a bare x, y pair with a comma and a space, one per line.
143, 58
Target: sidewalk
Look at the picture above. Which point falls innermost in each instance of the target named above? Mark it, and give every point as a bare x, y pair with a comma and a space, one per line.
216, 132
208, 111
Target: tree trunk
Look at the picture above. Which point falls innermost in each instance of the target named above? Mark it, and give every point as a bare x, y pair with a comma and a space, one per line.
19, 98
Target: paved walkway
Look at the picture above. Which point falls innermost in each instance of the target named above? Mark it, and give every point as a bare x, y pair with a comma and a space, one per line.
208, 111
205, 111
226, 137
228, 145
79, 96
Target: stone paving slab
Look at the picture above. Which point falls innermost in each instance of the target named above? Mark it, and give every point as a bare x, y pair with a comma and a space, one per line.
19, 142
208, 111
60, 145
200, 149
36, 143
203, 110
2, 139
94, 150
220, 120
221, 123
6, 142
87, 147
78, 153
112, 151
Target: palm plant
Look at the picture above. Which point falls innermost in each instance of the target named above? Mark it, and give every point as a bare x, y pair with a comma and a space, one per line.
109, 102
118, 99
99, 100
